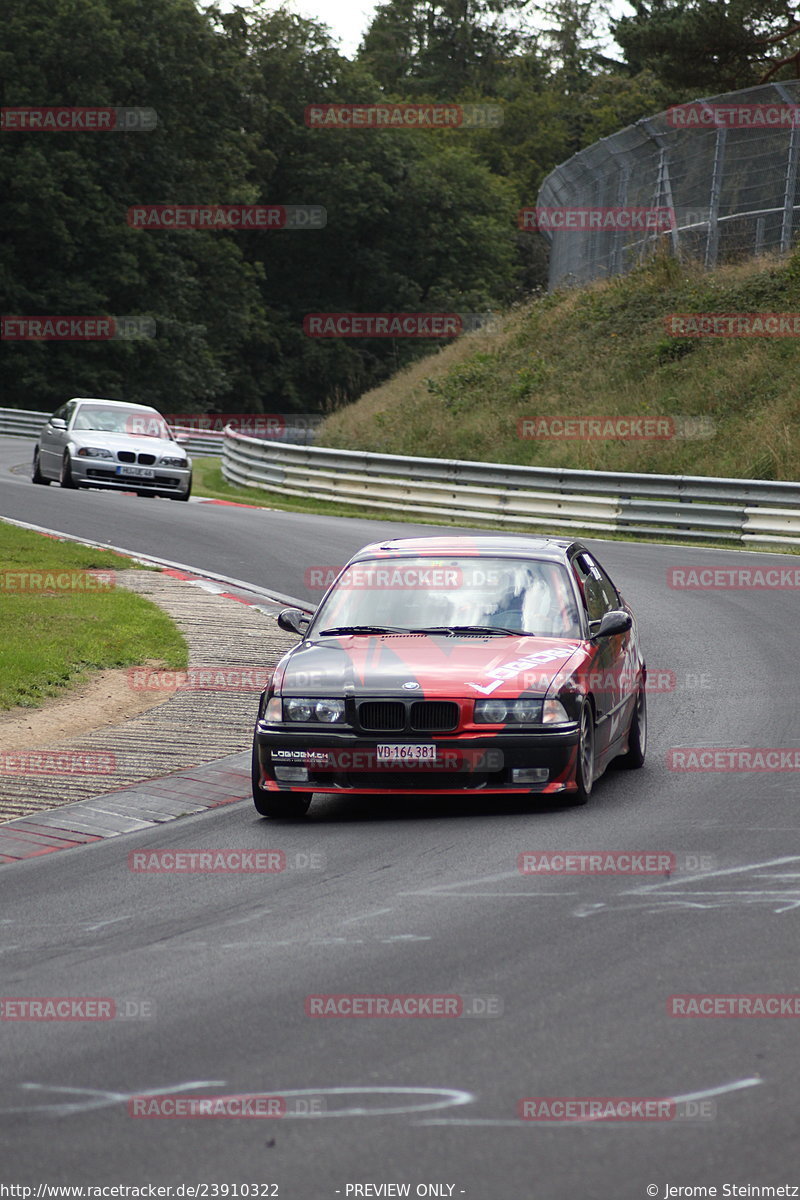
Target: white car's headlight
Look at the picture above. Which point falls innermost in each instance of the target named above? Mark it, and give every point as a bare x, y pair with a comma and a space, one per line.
173, 462
94, 452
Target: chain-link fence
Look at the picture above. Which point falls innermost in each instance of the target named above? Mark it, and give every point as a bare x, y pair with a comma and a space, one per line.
725, 168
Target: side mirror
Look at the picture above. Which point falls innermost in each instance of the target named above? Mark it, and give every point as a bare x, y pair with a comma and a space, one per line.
57, 423
292, 620
616, 621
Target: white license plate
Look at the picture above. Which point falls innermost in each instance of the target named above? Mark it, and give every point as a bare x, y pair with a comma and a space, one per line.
139, 472
406, 753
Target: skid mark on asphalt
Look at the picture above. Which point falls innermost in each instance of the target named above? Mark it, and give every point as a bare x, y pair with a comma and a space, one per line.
707, 1094
97, 1097
688, 892
430, 1099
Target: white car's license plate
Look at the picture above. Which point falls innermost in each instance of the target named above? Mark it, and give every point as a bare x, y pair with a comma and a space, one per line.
404, 752
139, 472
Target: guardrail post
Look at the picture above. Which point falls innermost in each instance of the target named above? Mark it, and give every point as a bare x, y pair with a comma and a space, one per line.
790, 183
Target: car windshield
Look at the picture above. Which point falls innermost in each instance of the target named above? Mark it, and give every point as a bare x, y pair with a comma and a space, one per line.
136, 422
521, 595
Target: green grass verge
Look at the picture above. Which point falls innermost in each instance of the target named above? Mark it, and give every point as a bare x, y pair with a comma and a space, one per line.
53, 640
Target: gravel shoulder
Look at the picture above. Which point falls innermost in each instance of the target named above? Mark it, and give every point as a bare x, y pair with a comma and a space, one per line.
177, 722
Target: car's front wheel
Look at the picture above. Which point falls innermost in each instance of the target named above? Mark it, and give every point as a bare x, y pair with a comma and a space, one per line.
637, 735
584, 767
277, 804
36, 472
65, 478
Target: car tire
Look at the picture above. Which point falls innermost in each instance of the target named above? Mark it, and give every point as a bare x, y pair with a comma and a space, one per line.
585, 764
65, 479
36, 471
185, 495
277, 804
637, 735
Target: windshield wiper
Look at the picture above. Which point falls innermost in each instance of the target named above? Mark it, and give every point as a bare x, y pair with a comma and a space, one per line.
362, 629
470, 629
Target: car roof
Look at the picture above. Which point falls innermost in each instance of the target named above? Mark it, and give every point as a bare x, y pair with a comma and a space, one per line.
480, 545
113, 403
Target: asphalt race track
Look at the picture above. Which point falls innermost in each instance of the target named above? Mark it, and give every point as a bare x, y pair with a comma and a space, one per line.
426, 898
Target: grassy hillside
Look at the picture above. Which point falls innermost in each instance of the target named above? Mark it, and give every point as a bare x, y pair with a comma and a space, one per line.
603, 351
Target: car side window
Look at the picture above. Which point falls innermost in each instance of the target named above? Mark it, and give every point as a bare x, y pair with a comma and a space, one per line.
69, 410
599, 593
609, 592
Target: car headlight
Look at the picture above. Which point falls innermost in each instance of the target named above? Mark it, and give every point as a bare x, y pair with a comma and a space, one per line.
325, 711
94, 452
173, 462
508, 712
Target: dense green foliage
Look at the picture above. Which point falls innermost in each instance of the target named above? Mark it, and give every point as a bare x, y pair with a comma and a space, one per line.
417, 220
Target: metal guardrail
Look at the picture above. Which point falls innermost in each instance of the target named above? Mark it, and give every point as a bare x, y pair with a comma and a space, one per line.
679, 506
19, 423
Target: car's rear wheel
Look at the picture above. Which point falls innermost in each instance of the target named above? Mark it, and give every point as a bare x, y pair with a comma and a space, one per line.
277, 804
36, 472
65, 479
637, 736
584, 767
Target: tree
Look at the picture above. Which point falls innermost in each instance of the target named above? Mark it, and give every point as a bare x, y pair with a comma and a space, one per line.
444, 49
702, 47
68, 248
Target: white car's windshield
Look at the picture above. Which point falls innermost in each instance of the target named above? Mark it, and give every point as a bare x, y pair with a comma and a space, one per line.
132, 421
519, 595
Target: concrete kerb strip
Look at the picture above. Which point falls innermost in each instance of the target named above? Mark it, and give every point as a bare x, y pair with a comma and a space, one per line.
150, 803
201, 732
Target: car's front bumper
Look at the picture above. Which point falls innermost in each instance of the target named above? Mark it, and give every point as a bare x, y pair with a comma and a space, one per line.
98, 472
346, 761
